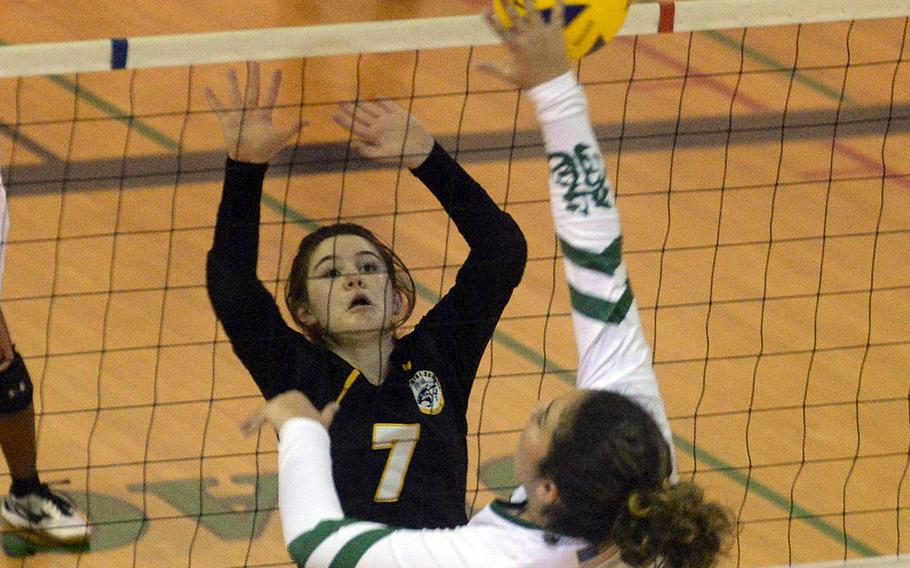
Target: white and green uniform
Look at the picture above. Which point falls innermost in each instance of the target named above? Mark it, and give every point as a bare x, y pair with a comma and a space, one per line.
613, 355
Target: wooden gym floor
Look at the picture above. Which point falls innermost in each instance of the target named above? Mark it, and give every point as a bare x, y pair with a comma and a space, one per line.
753, 253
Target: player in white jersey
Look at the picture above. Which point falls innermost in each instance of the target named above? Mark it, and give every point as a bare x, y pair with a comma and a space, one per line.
595, 465
37, 513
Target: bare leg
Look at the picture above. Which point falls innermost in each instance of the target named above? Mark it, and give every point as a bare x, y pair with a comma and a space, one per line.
17, 438
32, 505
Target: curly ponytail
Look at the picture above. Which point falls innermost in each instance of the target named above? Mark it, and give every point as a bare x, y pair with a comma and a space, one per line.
611, 465
674, 524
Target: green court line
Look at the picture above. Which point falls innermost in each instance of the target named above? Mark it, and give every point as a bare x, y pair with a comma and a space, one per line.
776, 65
514, 345
759, 488
775, 498
112, 111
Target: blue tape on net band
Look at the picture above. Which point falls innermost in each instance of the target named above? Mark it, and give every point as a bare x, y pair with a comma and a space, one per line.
119, 48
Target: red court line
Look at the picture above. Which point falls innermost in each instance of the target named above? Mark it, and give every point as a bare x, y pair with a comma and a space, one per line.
758, 106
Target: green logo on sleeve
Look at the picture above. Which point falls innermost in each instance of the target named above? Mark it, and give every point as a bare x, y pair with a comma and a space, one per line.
583, 176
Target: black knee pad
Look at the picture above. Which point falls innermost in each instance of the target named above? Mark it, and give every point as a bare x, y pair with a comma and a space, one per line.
15, 387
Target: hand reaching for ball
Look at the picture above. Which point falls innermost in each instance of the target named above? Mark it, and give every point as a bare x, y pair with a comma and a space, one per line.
538, 48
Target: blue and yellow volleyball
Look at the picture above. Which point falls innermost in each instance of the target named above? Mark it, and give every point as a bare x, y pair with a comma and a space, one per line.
590, 24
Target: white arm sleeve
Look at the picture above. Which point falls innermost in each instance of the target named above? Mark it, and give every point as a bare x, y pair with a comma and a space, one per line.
4, 227
318, 535
306, 490
613, 353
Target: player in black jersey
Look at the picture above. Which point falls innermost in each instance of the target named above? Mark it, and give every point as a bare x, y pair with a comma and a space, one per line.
399, 447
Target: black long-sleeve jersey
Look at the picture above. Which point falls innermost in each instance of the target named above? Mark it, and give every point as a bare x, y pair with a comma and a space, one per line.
399, 449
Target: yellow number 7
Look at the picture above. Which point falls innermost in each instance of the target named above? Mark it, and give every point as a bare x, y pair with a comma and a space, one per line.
401, 439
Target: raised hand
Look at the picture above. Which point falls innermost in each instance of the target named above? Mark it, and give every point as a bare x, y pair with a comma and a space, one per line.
538, 48
287, 405
386, 132
249, 133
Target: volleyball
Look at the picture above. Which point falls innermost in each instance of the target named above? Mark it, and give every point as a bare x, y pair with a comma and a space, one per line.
589, 25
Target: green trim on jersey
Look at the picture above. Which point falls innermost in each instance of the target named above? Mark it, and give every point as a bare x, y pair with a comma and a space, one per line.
303, 546
501, 509
351, 553
600, 309
606, 261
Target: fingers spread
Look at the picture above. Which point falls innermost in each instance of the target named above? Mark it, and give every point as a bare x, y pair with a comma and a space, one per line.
272, 95
234, 90
214, 103
252, 84
494, 23
517, 20
343, 120
558, 14
371, 109
352, 113
533, 13
356, 127
388, 105
496, 70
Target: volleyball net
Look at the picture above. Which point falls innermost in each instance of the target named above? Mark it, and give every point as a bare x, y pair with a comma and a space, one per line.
761, 155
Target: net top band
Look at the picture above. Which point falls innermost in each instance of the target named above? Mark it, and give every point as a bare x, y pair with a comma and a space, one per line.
406, 35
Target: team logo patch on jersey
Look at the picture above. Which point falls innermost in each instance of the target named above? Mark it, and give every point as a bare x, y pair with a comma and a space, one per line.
427, 392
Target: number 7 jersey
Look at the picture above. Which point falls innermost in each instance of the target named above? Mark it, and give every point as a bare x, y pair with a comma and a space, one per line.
614, 356
399, 449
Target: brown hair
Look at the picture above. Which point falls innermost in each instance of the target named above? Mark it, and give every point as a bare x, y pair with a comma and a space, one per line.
611, 466
297, 297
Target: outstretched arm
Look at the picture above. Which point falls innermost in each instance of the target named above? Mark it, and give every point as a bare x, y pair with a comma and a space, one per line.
251, 139
250, 135
385, 132
463, 321
252, 321
613, 352
318, 535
